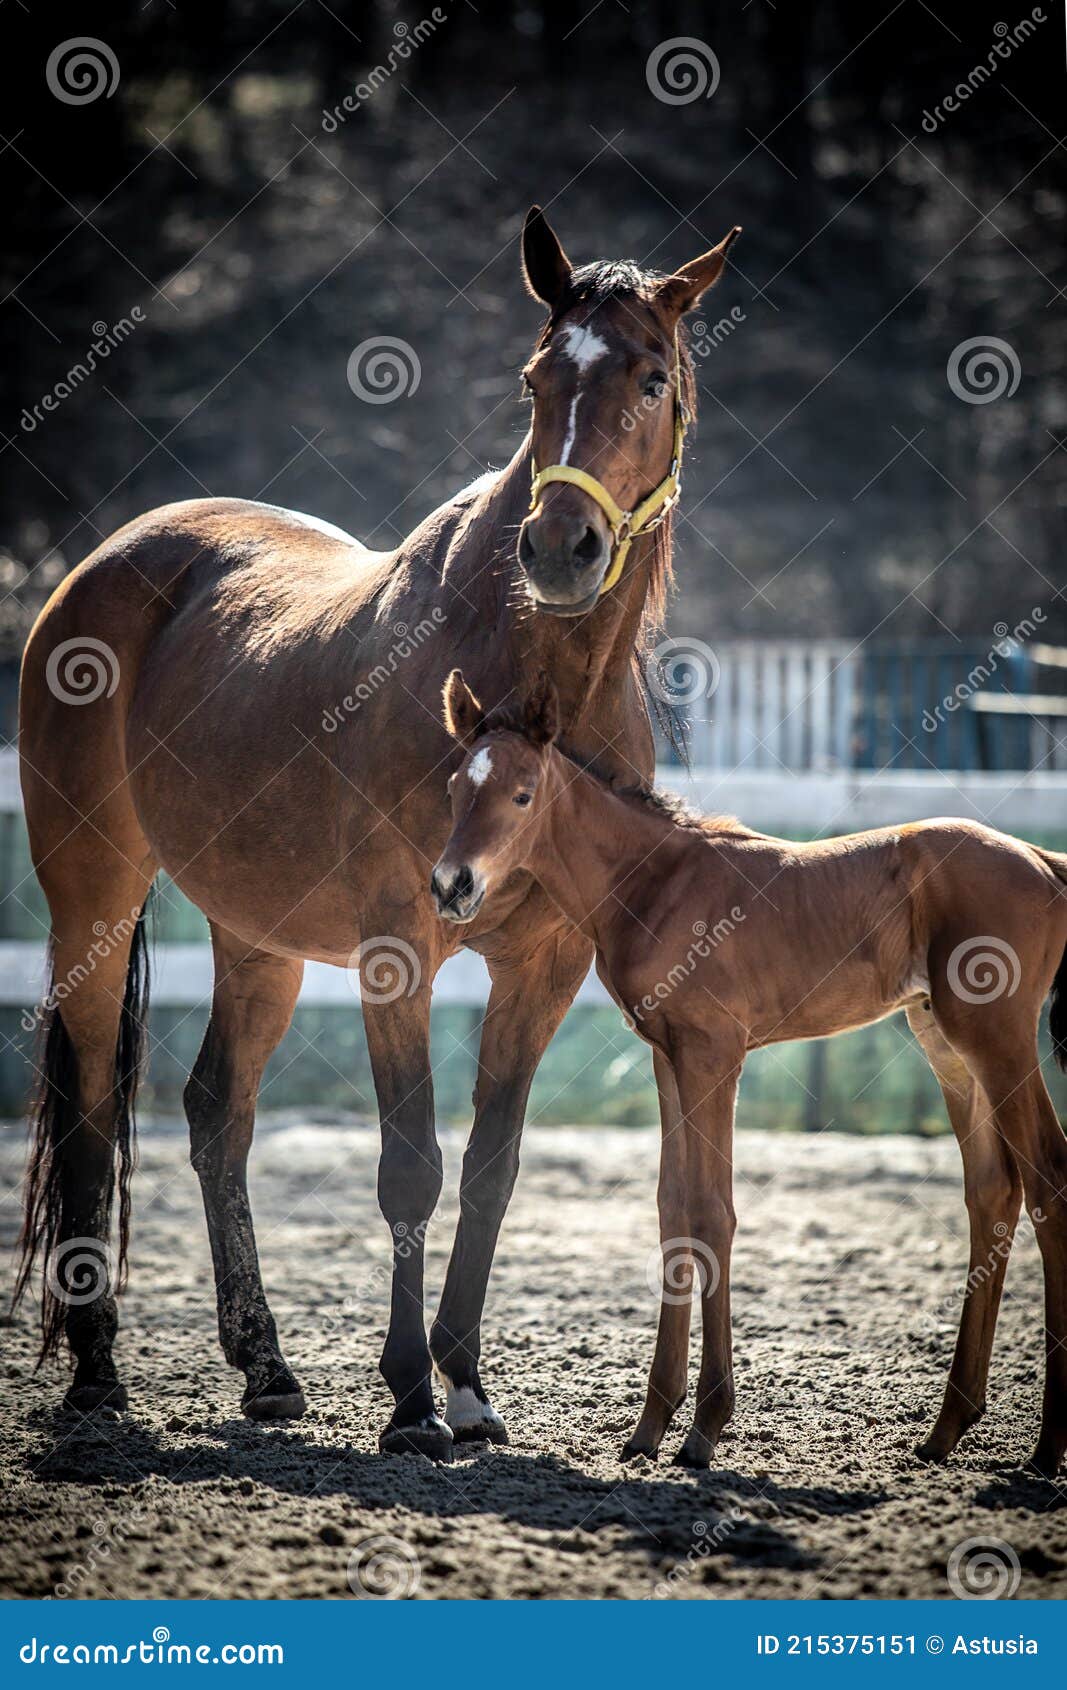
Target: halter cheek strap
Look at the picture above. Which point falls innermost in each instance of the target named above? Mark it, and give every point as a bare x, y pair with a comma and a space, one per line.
626, 526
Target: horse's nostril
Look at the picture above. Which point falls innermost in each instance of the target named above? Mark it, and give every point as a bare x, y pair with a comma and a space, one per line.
527, 554
588, 548
463, 884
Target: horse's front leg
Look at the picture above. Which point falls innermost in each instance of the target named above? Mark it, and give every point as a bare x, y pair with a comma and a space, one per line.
409, 1184
667, 1380
526, 1005
708, 1067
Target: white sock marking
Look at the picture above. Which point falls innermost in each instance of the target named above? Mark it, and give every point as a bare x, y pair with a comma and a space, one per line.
463, 1408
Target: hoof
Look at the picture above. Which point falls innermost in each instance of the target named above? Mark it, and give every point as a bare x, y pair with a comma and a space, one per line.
935, 1455
280, 1405
695, 1453
429, 1437
632, 1449
1045, 1462
109, 1394
480, 1432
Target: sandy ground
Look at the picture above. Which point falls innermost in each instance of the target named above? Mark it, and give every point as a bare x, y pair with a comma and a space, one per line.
849, 1258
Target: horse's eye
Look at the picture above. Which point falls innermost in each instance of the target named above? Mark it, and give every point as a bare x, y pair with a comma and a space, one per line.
655, 387
522, 799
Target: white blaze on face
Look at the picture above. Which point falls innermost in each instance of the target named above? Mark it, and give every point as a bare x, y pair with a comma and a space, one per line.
584, 347
480, 767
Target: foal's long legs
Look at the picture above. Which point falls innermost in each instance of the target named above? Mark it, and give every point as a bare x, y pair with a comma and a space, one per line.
708, 1069
1001, 1050
526, 1005
251, 1008
667, 1380
993, 1193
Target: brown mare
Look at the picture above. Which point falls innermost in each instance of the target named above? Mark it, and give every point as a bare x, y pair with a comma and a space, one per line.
231, 633
716, 940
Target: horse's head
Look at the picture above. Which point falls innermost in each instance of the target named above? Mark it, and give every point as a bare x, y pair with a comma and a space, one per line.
610, 387
495, 795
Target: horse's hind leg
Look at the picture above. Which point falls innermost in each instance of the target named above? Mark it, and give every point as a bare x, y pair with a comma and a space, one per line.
667, 1380
993, 1193
251, 1008
83, 1116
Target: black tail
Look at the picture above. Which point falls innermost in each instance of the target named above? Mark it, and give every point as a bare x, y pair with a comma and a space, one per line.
1057, 1014
54, 1115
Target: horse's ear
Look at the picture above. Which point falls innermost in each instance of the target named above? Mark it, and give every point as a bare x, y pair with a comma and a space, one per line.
464, 716
540, 712
545, 265
680, 292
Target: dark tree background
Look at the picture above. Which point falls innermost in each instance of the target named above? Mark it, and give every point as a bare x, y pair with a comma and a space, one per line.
837, 485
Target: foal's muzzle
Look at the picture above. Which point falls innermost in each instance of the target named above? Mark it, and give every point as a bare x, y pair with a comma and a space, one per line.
457, 892
564, 553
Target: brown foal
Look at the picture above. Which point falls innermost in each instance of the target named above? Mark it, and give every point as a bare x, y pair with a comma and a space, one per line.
715, 940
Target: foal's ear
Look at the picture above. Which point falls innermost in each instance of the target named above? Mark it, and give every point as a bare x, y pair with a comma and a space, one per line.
464, 716
680, 292
545, 265
540, 712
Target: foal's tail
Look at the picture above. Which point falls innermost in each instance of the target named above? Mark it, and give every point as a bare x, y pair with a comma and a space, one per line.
1057, 1012
54, 1116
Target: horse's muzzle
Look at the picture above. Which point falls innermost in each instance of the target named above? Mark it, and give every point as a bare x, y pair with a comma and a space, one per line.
564, 558
457, 893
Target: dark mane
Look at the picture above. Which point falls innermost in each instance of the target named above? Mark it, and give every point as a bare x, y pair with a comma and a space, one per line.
509, 718
666, 805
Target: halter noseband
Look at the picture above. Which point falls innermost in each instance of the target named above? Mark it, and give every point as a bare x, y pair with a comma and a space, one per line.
626, 526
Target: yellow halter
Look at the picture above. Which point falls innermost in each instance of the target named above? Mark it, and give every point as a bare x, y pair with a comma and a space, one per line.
626, 526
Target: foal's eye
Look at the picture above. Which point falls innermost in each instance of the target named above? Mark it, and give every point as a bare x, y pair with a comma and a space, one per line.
522, 799
655, 387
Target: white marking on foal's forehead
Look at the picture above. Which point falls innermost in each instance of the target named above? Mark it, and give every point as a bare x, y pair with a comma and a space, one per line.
584, 345
480, 766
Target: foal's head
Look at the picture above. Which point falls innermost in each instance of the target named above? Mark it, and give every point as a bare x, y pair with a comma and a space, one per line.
608, 382
496, 794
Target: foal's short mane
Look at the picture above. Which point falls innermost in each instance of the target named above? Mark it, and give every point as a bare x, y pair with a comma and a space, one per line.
509, 718
605, 282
